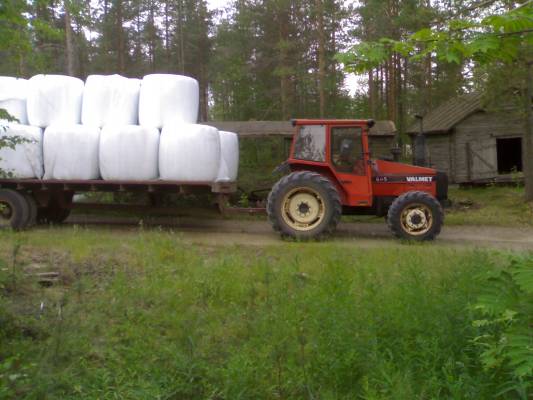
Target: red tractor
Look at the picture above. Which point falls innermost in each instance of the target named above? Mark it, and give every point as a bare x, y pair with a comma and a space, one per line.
331, 173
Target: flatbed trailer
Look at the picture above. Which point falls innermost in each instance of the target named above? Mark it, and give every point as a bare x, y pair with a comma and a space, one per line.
24, 202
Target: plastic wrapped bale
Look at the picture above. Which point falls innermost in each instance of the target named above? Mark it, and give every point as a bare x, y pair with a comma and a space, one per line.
54, 100
168, 99
25, 160
13, 93
110, 100
189, 152
229, 157
129, 153
71, 152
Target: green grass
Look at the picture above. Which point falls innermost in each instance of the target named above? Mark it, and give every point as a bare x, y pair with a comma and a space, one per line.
141, 314
498, 206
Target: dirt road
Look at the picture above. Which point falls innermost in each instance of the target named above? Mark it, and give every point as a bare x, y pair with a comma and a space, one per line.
256, 232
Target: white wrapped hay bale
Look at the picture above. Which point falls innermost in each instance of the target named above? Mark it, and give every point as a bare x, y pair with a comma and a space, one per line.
71, 152
189, 152
229, 157
54, 100
26, 159
168, 99
110, 100
129, 153
13, 93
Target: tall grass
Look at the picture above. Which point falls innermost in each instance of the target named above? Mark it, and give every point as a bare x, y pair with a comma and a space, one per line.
299, 321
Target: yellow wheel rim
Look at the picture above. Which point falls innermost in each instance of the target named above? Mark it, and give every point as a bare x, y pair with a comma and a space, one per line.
416, 219
303, 209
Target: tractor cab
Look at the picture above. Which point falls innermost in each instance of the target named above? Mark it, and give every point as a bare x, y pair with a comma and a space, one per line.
331, 173
338, 149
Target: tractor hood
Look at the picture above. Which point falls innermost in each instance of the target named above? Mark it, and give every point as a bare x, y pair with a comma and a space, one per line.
382, 167
394, 172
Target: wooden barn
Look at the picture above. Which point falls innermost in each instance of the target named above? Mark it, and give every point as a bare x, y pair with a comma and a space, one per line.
381, 135
472, 144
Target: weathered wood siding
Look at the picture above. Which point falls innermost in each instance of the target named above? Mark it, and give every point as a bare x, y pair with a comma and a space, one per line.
474, 149
438, 152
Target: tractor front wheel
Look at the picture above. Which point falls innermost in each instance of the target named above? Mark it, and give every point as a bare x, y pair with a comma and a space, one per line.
304, 205
415, 216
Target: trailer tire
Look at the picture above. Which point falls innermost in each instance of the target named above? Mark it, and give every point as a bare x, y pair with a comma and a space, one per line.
415, 216
14, 210
57, 211
52, 215
32, 210
304, 205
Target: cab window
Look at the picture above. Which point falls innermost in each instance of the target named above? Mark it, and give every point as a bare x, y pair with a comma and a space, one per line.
347, 150
310, 143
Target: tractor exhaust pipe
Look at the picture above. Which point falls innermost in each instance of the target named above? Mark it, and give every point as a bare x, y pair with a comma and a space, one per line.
420, 145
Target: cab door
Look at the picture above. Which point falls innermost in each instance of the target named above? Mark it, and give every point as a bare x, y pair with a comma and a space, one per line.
350, 161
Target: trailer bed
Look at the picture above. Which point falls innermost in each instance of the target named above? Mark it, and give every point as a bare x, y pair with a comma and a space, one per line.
99, 185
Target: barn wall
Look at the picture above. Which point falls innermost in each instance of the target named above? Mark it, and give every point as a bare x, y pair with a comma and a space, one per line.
479, 132
438, 152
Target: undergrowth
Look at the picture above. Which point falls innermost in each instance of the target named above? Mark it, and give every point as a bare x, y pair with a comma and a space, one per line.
151, 317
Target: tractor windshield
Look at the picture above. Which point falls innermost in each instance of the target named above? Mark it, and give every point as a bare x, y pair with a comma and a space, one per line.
310, 143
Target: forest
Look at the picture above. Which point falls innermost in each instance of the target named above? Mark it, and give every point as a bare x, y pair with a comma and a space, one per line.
257, 59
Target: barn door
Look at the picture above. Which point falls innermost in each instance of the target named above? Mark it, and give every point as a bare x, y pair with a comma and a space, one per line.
482, 160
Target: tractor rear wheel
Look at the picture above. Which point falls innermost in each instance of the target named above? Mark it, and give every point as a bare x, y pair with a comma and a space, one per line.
415, 216
14, 210
304, 205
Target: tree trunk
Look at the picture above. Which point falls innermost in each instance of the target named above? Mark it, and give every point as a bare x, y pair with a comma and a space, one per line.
283, 20
167, 36
181, 38
371, 94
528, 135
321, 58
121, 65
69, 44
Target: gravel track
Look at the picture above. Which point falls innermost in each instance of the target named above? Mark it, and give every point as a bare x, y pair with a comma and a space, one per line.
258, 233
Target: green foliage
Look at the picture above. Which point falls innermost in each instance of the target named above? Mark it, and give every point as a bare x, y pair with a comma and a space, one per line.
506, 339
495, 38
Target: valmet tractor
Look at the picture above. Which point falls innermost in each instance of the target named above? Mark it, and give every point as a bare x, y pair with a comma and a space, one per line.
330, 173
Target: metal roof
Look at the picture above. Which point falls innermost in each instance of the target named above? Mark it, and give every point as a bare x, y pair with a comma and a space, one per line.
285, 128
443, 118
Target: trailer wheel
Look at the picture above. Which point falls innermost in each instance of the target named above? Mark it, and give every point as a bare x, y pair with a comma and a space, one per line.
52, 215
304, 205
14, 210
57, 211
415, 216
32, 210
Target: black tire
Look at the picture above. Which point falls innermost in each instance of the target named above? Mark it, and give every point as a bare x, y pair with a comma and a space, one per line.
14, 210
52, 215
32, 210
57, 210
415, 216
304, 183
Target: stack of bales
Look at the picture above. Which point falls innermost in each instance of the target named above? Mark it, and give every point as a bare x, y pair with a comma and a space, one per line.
25, 160
114, 128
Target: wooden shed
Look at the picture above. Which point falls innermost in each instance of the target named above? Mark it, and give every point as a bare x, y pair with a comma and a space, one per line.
381, 136
472, 144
